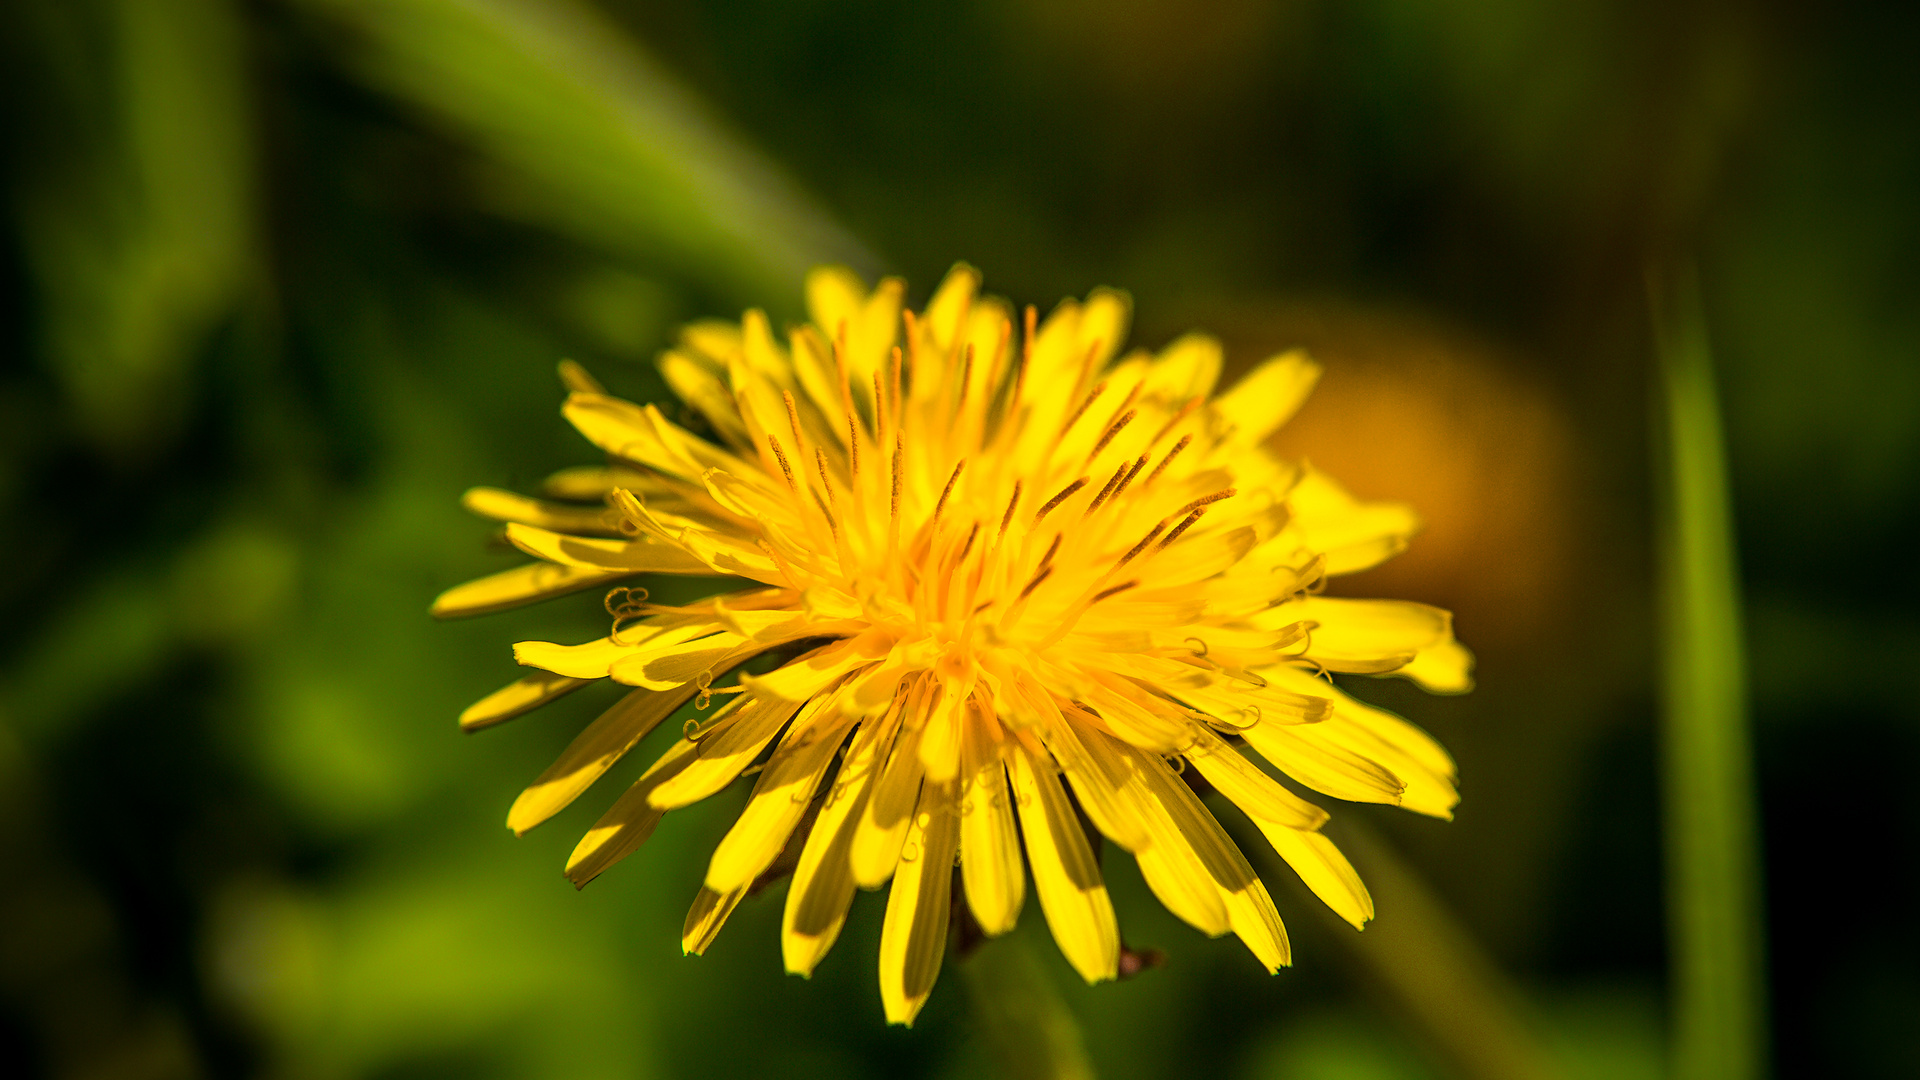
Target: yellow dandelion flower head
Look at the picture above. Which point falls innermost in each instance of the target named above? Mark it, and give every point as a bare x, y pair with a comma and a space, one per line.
990, 579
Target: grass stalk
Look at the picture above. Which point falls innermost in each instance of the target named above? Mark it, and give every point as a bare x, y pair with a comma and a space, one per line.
1711, 828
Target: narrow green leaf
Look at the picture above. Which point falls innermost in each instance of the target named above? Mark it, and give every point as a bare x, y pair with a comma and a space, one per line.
594, 138
135, 201
1713, 890
1417, 955
1033, 1034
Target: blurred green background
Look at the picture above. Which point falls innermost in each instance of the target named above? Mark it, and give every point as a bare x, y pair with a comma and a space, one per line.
283, 277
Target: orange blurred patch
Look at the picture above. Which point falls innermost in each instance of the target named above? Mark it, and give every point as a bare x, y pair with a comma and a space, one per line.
1412, 412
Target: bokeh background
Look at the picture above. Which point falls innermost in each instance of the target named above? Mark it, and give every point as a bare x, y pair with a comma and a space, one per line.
283, 277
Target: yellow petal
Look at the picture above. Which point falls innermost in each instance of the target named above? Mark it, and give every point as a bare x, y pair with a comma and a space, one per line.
1188, 368
837, 300
743, 731
951, 301
1252, 790
518, 698
873, 689
1131, 720
624, 430
1074, 342
575, 377
1099, 791
883, 826
780, 799
625, 556
1361, 635
685, 448
700, 387
807, 675
592, 753
1195, 827
940, 737
706, 917
1239, 702
1199, 555
819, 379
761, 354
1323, 869
510, 506
715, 340
1268, 396
519, 586
595, 659
1248, 909
591, 483
1255, 922
670, 663
1170, 865
1353, 535
913, 939
729, 555
628, 822
823, 881
989, 326
1411, 755
835, 296
1330, 770
1445, 667
1065, 874
1103, 323
990, 868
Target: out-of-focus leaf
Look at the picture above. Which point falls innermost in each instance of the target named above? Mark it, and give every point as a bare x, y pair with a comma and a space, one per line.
604, 144
1034, 1034
1712, 837
1420, 958
136, 220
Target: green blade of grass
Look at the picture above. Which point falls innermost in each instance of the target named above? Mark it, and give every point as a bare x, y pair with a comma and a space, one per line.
1421, 961
593, 137
1713, 891
1033, 1034
134, 200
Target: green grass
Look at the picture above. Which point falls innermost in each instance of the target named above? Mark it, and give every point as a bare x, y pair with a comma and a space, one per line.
1713, 887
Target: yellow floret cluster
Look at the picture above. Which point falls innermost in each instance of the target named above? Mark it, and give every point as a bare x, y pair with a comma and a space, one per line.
1006, 577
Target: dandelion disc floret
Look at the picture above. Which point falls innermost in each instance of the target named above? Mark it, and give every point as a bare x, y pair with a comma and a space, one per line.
990, 579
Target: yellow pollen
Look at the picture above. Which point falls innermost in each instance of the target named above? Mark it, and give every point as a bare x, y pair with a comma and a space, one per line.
1045, 572
1205, 500
899, 452
1112, 483
1139, 547
1047, 559
1092, 396
820, 464
1065, 494
968, 546
786, 469
1168, 460
948, 490
1197, 514
1139, 464
1118, 426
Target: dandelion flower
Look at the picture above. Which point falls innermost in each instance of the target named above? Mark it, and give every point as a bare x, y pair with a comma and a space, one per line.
990, 579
